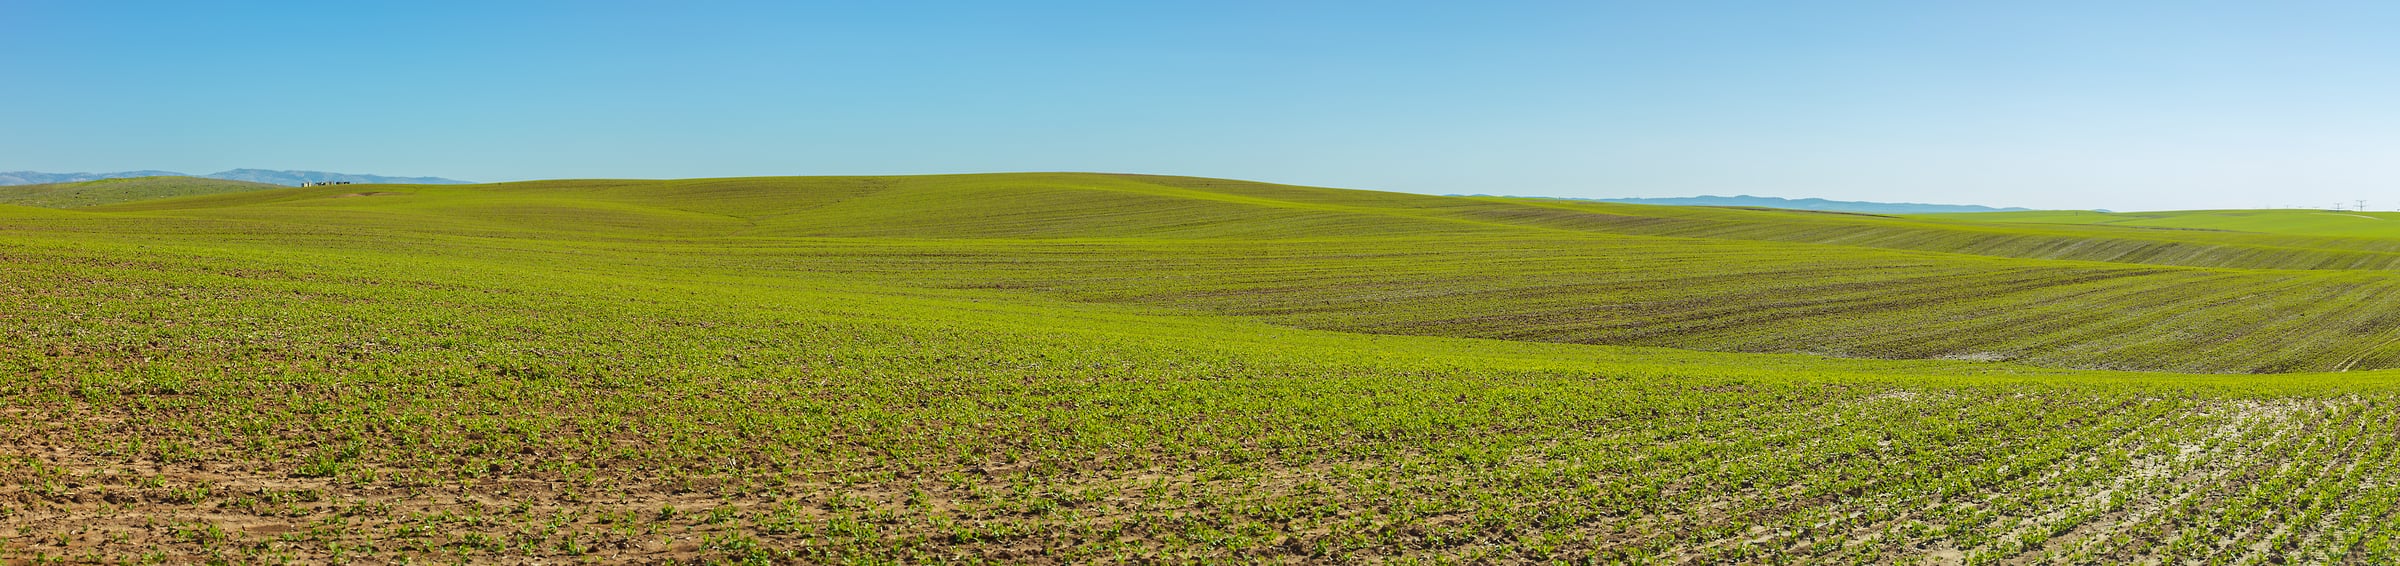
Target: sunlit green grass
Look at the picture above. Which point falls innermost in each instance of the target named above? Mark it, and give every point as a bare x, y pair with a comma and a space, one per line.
1118, 368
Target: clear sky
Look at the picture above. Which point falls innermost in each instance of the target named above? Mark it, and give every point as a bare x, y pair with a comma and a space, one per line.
2078, 104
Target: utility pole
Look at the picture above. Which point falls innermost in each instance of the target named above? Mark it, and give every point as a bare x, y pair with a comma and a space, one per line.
2362, 205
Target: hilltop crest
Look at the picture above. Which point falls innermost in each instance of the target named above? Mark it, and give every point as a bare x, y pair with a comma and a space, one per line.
277, 177
1813, 204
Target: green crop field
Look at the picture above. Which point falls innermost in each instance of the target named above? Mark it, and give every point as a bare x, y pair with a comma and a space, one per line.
112, 191
1081, 368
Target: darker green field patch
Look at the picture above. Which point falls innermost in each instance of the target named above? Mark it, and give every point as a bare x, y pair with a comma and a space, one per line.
114, 191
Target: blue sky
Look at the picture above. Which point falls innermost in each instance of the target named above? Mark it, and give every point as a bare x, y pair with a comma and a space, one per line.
2121, 105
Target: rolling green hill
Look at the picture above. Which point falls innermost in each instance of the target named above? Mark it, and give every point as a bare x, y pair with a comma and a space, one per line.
112, 191
1071, 368
1520, 269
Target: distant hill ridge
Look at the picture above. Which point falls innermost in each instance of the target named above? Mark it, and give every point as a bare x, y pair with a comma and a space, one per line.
1812, 204
277, 177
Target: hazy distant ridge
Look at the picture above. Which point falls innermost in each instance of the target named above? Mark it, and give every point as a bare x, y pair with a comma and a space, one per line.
40, 178
1813, 204
252, 175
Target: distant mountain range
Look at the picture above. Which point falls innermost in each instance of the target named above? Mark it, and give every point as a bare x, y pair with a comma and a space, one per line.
251, 175
1813, 204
